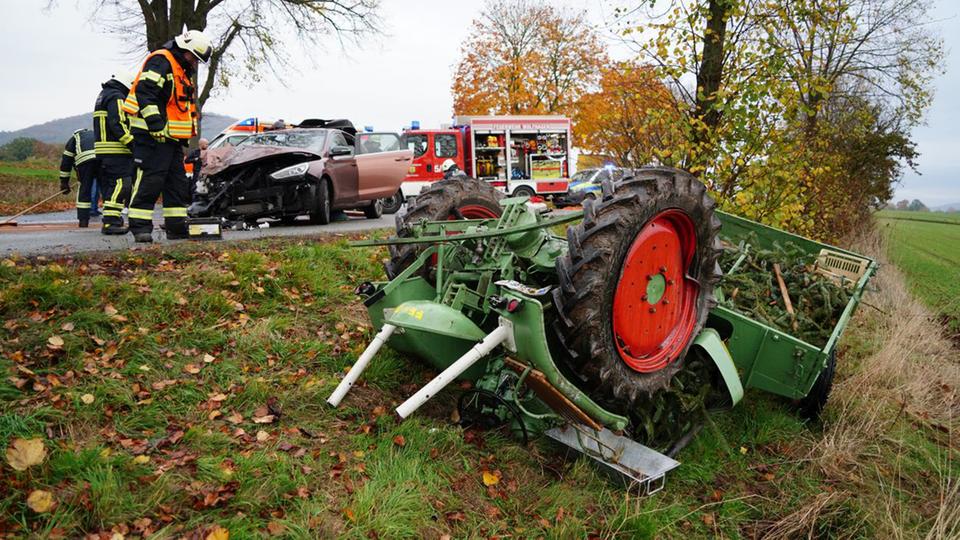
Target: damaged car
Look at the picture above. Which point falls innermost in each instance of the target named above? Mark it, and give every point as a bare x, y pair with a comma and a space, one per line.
314, 169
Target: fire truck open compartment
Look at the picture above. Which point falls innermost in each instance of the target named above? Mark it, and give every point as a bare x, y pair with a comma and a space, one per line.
519, 155
522, 155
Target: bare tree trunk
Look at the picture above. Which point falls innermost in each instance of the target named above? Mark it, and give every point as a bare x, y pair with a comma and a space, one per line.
710, 74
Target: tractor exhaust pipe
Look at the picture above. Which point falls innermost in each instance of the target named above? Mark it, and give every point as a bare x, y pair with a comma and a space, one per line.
361, 364
503, 333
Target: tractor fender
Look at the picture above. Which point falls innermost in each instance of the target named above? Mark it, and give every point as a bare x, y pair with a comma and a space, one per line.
710, 342
435, 318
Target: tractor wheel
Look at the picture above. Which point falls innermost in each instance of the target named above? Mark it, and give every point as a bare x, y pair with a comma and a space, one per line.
636, 284
812, 405
455, 198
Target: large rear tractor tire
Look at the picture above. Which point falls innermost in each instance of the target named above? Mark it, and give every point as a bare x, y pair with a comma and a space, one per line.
636, 285
455, 198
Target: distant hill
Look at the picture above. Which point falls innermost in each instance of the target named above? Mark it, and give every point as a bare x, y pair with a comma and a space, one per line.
952, 207
57, 131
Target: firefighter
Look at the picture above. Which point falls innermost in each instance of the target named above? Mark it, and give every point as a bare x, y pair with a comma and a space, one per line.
163, 118
450, 170
78, 154
113, 145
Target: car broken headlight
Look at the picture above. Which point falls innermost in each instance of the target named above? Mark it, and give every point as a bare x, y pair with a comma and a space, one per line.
294, 171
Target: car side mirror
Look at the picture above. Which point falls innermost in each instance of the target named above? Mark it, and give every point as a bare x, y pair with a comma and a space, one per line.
341, 151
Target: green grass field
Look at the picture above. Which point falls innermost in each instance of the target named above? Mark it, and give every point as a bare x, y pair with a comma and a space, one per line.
182, 391
926, 246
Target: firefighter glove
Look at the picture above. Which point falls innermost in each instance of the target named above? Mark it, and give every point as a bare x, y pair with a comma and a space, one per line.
159, 136
65, 185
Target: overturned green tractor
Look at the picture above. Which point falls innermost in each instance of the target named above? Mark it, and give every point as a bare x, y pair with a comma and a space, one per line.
614, 340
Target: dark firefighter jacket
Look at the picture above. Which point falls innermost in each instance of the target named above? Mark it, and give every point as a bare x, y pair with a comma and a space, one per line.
78, 150
111, 127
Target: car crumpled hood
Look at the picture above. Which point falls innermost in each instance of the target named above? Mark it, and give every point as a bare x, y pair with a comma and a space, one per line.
247, 155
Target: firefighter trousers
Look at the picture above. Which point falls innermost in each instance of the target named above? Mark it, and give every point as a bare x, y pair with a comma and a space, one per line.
86, 175
159, 171
116, 182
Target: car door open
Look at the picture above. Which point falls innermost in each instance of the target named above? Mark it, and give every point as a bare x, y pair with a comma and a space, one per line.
382, 164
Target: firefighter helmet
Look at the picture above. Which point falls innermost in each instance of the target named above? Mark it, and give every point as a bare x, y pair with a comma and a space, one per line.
196, 42
447, 165
125, 77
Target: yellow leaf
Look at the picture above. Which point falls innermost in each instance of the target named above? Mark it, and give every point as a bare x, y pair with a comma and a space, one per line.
491, 478
40, 501
25, 453
218, 533
141, 460
87, 398
55, 342
743, 449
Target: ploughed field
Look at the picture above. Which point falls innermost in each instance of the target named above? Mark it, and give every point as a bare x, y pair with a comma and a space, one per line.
181, 392
24, 183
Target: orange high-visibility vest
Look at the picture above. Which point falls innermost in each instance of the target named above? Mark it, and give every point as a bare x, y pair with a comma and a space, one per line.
181, 107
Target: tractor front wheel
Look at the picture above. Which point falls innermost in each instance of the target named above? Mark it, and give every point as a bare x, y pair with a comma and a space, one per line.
636, 284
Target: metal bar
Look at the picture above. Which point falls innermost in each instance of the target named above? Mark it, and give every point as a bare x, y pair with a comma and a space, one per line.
549, 222
489, 343
361, 364
10, 221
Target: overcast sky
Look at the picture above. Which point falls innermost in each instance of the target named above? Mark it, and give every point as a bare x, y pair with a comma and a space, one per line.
57, 59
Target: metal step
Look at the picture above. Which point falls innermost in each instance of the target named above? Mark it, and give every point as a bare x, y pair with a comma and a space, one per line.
626, 461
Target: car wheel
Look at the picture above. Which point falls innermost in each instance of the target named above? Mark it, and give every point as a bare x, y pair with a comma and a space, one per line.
524, 191
392, 204
374, 210
321, 214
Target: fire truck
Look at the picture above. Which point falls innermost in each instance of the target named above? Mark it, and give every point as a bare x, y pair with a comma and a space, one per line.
519, 155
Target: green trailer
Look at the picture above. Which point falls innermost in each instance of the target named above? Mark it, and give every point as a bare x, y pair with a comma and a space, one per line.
608, 339
775, 361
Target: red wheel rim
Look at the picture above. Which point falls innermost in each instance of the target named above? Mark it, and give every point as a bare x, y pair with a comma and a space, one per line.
655, 304
474, 211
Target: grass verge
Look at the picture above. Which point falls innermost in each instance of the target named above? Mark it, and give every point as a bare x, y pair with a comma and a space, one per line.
180, 391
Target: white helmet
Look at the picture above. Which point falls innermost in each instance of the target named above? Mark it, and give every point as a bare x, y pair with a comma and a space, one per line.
196, 42
125, 77
447, 165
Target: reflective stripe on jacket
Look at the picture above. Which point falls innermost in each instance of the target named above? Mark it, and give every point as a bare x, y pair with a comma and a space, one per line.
167, 86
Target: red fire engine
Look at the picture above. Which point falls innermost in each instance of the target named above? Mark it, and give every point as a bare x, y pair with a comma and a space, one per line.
520, 155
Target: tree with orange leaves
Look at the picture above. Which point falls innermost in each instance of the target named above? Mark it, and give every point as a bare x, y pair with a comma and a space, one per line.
632, 118
523, 57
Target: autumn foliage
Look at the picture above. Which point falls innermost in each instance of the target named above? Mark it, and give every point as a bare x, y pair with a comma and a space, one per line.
523, 57
631, 118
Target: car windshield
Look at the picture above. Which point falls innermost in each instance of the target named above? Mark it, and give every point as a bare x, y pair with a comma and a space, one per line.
583, 175
311, 140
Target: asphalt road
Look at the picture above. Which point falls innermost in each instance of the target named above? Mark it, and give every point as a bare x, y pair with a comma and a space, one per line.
74, 240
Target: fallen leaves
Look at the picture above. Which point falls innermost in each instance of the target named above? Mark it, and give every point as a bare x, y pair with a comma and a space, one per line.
491, 478
218, 533
55, 343
87, 399
41, 501
25, 453
399, 440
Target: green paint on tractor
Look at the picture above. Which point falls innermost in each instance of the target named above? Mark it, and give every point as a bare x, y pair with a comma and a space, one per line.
525, 316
